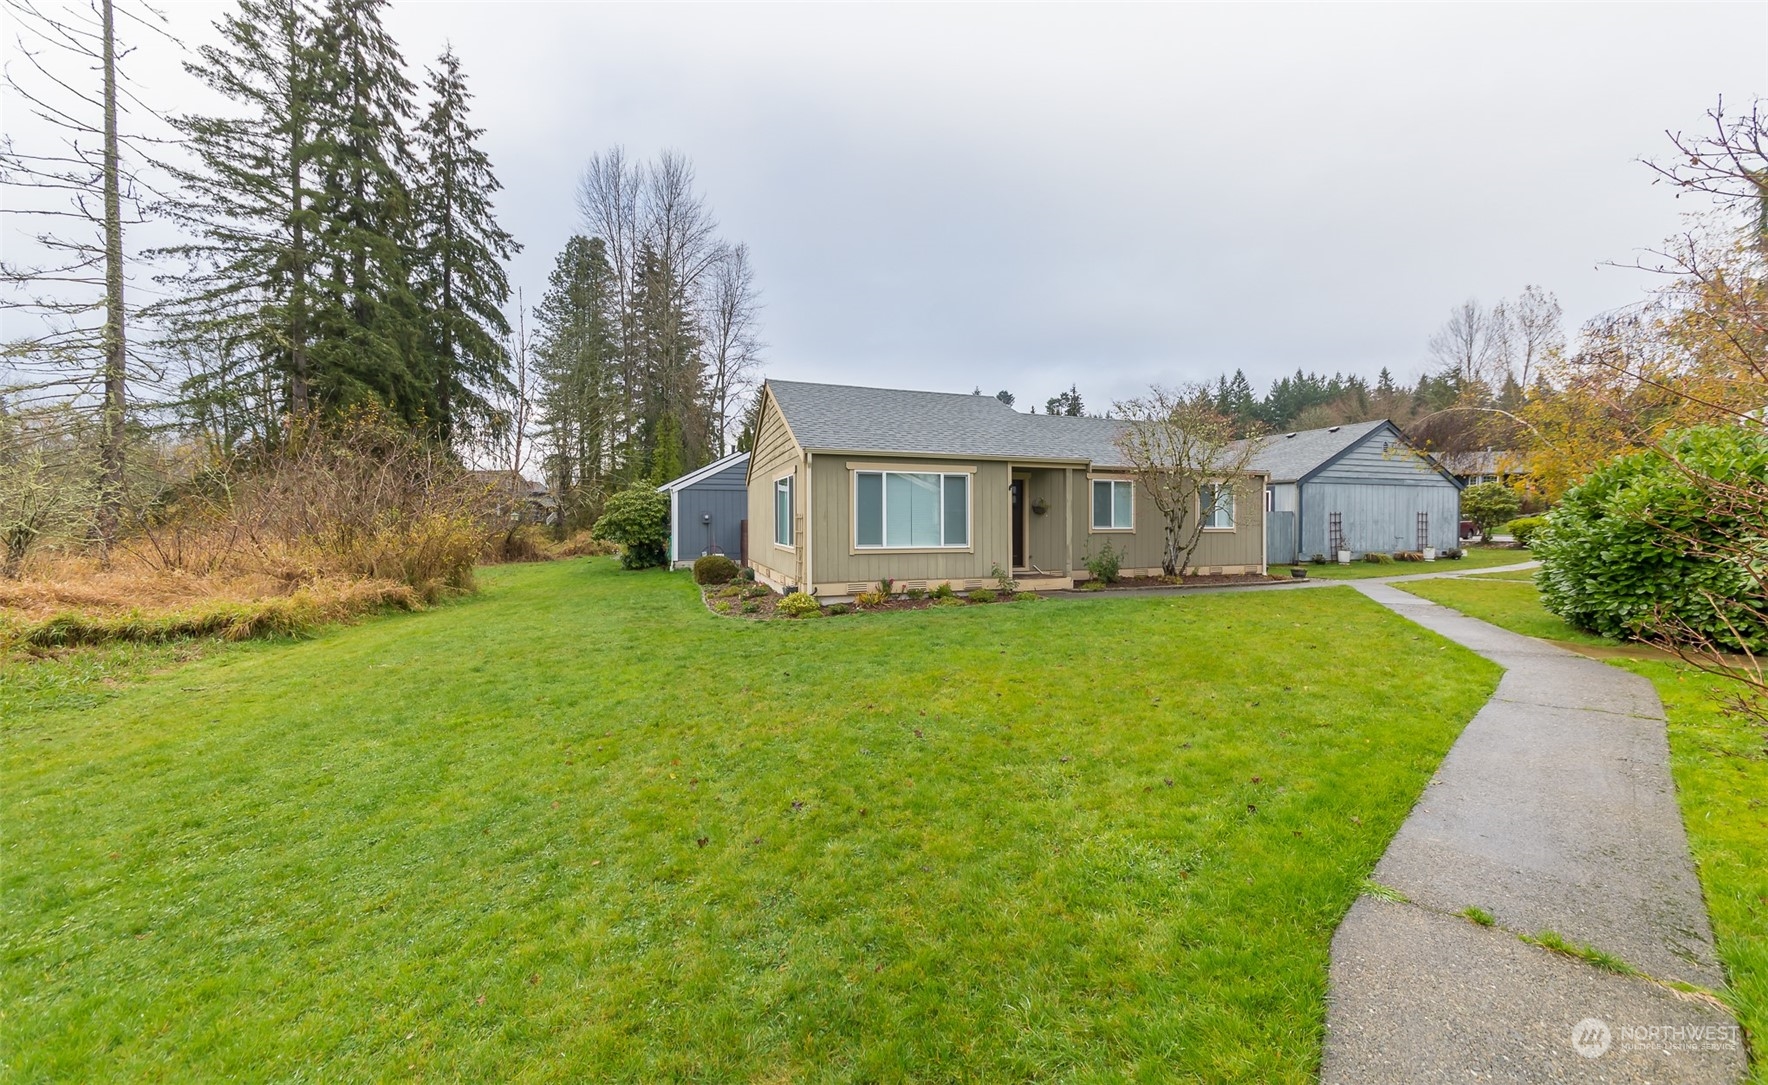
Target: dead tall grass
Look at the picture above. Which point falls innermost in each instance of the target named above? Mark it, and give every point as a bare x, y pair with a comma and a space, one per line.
343, 518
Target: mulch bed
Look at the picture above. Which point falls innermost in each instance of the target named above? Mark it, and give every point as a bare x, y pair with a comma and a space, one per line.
762, 603
1213, 581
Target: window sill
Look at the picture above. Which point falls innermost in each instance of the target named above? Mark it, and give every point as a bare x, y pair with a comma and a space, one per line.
1111, 531
783, 546
858, 550
1220, 530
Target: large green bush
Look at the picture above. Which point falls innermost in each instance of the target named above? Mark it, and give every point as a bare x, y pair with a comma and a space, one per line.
637, 519
1616, 555
1489, 504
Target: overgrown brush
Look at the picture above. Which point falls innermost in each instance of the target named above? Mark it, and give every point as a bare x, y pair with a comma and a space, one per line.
359, 497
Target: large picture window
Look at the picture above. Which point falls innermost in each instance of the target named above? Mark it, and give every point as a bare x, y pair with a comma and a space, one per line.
1217, 502
910, 509
1114, 504
782, 511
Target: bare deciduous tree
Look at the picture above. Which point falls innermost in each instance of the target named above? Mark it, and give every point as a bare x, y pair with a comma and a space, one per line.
732, 307
87, 193
1539, 334
1185, 455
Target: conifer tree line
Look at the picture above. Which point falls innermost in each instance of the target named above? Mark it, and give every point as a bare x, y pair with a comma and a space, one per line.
335, 245
646, 342
342, 244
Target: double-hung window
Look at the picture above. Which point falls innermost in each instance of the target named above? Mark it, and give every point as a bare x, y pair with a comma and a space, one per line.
782, 510
910, 510
1217, 503
1114, 504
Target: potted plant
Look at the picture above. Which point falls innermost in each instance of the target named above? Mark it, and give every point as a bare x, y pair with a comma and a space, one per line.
1299, 572
1429, 553
1344, 557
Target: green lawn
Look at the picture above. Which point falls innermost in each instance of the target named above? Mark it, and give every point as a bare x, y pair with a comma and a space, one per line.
577, 827
1511, 604
1721, 771
1477, 557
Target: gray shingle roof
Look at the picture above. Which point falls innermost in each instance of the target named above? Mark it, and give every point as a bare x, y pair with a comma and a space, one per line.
1289, 456
846, 418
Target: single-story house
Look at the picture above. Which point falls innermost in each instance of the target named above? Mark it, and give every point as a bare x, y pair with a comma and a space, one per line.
848, 486
707, 508
1356, 488
1490, 465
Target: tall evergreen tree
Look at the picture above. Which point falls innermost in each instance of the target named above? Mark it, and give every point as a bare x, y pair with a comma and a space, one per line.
371, 342
247, 201
576, 361
460, 253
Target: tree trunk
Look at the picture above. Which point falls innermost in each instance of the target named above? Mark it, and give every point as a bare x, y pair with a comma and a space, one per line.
298, 402
115, 345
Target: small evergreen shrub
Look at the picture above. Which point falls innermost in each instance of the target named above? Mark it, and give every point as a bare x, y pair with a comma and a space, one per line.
840, 608
755, 591
944, 591
799, 605
1524, 529
714, 569
1105, 565
1026, 597
984, 595
1621, 556
947, 601
751, 608
916, 593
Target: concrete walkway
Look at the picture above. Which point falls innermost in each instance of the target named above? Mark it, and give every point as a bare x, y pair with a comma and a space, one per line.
1554, 811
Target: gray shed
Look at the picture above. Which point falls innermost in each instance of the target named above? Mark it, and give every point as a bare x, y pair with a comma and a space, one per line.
707, 508
1359, 487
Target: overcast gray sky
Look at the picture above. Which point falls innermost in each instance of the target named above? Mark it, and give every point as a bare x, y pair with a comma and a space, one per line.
1024, 196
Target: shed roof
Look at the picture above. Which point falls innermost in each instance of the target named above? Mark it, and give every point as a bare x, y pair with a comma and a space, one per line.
1288, 457
735, 459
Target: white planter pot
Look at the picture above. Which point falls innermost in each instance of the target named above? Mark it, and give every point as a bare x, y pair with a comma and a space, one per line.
1430, 553
1344, 557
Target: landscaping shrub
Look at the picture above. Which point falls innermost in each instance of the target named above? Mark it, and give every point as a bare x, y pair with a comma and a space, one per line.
916, 593
947, 601
1409, 555
1376, 557
1004, 581
1641, 549
799, 605
1105, 565
756, 591
984, 595
1524, 528
840, 608
729, 591
1026, 597
944, 591
751, 608
637, 519
714, 569
1489, 504
522, 542
872, 598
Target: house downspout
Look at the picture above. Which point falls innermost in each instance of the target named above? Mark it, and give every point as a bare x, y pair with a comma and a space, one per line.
1068, 522
809, 490
1264, 561
674, 527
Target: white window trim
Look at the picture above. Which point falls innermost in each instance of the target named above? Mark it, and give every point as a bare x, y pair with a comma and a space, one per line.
1233, 513
969, 477
790, 478
1093, 527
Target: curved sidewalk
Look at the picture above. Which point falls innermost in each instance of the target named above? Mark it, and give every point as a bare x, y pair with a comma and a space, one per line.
1553, 811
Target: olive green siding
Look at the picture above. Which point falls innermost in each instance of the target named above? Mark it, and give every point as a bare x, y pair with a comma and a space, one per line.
1238, 550
774, 454
840, 569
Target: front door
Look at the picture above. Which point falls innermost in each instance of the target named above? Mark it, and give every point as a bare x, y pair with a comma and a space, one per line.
1018, 523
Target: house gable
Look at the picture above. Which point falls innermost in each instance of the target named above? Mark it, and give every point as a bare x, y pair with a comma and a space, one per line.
1382, 457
